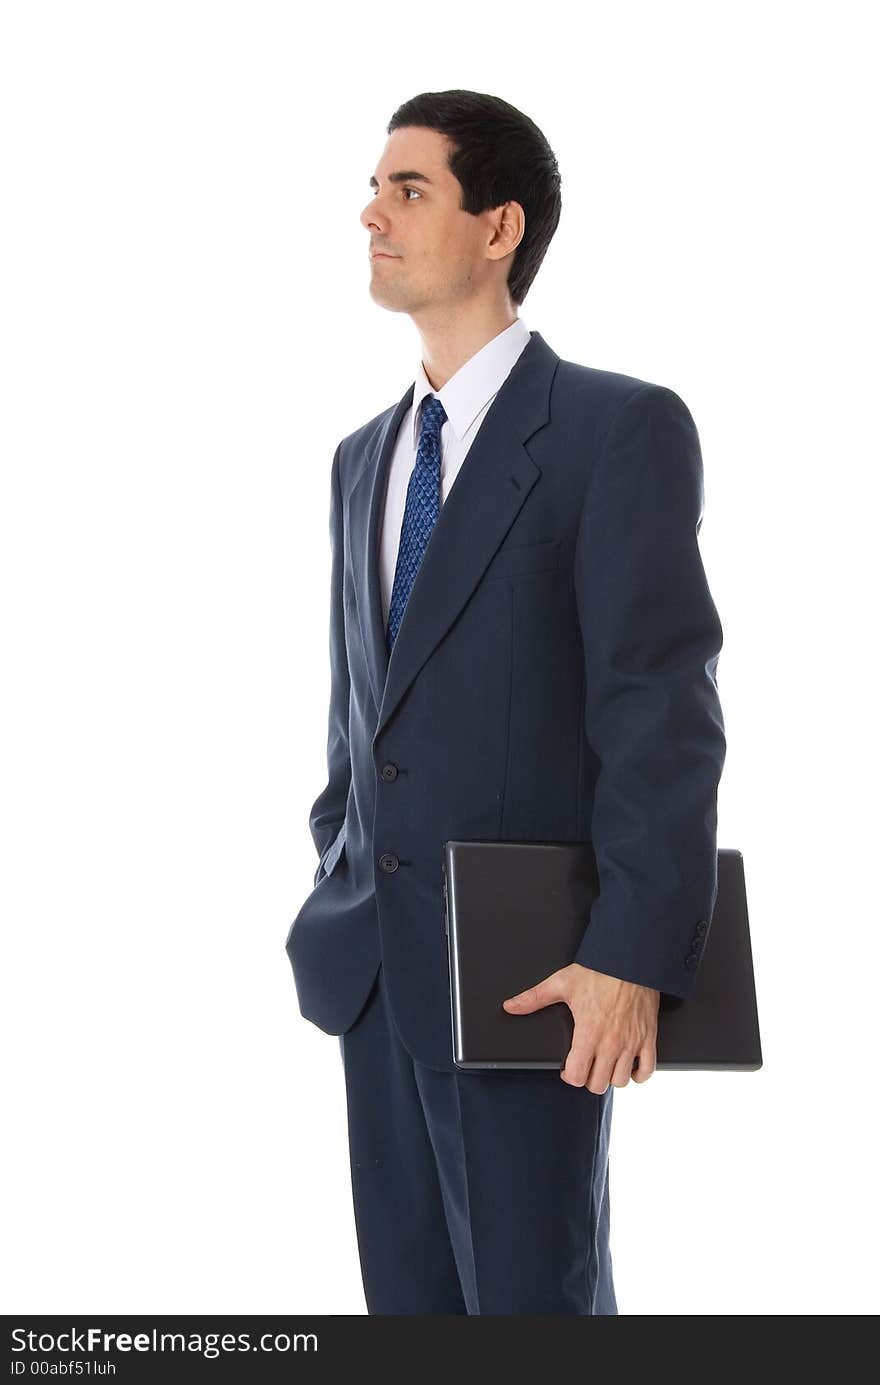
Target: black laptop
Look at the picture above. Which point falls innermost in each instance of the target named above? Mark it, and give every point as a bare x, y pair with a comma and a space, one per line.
496, 891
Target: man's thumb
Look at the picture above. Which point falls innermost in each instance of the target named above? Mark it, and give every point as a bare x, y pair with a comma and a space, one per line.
535, 998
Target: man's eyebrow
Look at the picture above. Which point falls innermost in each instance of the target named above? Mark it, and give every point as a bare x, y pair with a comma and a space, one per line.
409, 176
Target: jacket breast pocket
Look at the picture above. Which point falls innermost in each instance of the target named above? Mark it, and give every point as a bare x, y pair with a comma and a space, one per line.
523, 558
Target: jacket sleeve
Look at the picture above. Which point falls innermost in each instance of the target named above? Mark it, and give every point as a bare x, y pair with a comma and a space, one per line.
327, 814
651, 639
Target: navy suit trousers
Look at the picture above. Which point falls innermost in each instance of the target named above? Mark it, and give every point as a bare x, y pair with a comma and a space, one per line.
474, 1192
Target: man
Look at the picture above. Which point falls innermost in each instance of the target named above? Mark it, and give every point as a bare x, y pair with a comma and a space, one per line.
523, 646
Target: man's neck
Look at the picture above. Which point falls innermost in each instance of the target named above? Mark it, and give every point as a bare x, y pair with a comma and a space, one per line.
446, 347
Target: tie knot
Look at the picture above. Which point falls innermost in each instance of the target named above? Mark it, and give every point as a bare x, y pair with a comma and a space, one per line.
433, 415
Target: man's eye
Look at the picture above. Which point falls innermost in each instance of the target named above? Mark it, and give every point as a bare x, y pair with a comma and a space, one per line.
403, 189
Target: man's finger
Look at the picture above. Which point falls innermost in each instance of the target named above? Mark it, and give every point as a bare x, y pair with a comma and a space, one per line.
645, 1061
576, 1068
600, 1074
623, 1068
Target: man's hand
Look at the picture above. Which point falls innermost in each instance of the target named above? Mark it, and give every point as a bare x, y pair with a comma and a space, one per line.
615, 1025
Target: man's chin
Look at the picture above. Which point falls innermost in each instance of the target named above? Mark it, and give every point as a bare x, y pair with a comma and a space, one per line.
392, 302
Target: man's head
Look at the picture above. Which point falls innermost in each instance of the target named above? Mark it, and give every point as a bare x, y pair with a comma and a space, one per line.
476, 211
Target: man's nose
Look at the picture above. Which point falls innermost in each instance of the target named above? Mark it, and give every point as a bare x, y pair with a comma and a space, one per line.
373, 216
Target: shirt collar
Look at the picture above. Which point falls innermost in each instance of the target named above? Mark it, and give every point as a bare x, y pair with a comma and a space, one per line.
474, 383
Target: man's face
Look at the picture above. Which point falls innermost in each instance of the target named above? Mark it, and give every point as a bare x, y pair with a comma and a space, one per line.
438, 250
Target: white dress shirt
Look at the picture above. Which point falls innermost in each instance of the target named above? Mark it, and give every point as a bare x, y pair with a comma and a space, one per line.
466, 397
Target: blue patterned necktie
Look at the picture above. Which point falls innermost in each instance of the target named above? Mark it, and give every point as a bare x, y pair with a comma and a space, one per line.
420, 514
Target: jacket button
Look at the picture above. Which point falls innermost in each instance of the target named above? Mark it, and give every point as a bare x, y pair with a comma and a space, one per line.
389, 861
389, 772
691, 960
702, 926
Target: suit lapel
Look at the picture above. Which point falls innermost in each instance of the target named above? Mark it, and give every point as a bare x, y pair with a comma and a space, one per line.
364, 513
495, 478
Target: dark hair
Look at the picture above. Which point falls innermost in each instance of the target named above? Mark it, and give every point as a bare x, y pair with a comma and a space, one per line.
499, 156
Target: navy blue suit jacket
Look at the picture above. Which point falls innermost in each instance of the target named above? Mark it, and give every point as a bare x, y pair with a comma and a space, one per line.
554, 678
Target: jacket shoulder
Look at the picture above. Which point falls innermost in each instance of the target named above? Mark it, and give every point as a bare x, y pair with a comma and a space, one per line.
598, 395
613, 386
352, 448
352, 442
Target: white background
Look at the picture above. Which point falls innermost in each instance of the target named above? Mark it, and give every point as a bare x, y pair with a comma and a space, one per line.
186, 335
